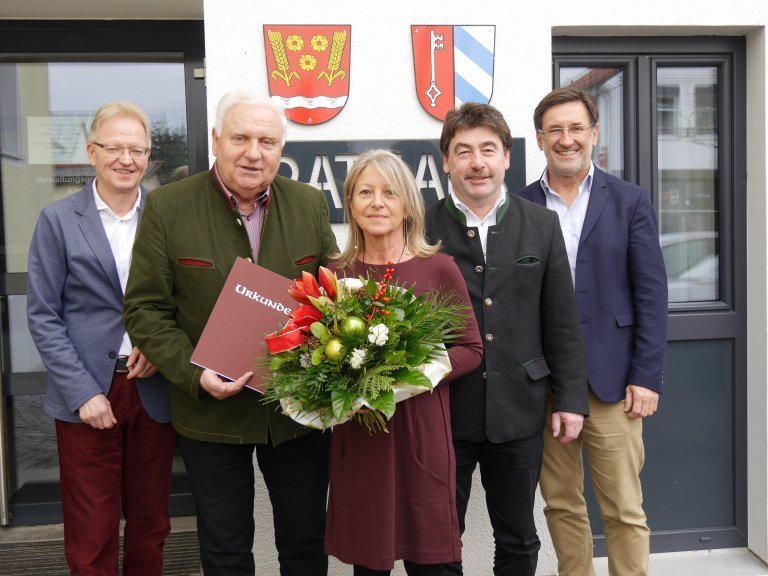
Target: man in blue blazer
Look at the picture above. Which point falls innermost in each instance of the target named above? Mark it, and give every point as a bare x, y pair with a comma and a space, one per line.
111, 408
610, 232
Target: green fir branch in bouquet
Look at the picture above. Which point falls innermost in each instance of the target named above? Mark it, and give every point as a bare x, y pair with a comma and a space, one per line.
358, 346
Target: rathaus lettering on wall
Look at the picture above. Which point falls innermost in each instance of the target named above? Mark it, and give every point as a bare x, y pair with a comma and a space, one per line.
324, 165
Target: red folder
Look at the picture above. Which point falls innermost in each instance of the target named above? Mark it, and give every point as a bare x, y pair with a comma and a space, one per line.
253, 303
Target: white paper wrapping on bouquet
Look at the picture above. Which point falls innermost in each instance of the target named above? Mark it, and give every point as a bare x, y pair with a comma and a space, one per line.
435, 370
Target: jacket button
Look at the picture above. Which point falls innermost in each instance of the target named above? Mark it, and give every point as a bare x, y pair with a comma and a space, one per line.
489, 337
112, 355
484, 376
470, 233
488, 302
479, 269
239, 222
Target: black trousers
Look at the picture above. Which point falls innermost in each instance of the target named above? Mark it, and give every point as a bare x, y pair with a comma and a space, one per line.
222, 478
509, 472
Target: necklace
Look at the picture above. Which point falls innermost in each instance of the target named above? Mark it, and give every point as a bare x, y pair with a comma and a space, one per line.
389, 262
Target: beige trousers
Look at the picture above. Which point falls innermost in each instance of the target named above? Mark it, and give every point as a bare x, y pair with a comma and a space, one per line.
614, 448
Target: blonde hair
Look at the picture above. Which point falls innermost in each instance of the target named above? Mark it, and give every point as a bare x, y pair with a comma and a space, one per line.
401, 179
113, 110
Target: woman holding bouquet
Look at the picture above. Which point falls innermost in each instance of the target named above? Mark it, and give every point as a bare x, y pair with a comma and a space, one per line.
392, 495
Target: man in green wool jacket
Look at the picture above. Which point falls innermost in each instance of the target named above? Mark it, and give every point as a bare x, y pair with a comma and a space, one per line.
191, 232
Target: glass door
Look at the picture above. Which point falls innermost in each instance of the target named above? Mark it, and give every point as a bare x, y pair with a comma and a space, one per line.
687, 178
47, 102
672, 120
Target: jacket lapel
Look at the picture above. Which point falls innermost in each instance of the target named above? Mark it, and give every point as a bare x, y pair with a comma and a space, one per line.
598, 196
537, 194
93, 231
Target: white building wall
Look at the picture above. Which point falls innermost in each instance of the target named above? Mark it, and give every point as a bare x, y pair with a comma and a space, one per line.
757, 297
383, 105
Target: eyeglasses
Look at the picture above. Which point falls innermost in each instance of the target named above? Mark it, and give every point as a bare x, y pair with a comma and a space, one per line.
117, 151
575, 131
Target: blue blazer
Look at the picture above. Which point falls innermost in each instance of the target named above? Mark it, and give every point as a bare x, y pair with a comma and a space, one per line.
621, 287
75, 309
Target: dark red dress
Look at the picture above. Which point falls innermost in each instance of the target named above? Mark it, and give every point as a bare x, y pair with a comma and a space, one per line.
393, 496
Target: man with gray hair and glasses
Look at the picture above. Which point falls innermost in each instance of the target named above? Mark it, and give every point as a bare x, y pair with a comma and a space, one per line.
191, 233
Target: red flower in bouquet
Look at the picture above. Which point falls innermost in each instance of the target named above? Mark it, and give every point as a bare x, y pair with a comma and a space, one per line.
328, 281
303, 289
294, 332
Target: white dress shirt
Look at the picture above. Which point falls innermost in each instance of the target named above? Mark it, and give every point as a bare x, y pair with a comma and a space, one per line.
482, 224
571, 217
121, 232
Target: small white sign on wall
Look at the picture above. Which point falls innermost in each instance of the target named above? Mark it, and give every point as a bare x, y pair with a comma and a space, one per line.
57, 139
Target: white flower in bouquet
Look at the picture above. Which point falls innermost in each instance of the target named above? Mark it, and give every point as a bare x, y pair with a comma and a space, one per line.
305, 360
357, 357
378, 334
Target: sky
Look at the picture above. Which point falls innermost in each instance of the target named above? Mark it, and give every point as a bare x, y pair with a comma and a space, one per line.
158, 88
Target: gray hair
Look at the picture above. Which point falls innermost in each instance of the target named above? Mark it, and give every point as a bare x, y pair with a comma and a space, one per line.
235, 97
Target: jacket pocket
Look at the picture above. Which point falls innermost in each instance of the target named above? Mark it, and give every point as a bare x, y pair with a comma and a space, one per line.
527, 261
304, 260
625, 319
192, 262
536, 368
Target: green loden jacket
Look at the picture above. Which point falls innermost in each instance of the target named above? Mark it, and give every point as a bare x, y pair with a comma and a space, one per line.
186, 244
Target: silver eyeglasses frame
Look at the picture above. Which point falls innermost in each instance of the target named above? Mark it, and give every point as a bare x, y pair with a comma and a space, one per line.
117, 151
575, 131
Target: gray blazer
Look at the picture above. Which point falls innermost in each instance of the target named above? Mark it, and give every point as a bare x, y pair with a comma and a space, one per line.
75, 309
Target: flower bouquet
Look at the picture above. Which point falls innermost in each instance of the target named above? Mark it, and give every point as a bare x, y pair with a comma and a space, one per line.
357, 347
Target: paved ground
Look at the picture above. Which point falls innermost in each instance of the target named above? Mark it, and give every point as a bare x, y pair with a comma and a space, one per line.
728, 562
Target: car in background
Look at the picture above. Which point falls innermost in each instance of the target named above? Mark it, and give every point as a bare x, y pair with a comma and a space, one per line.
693, 265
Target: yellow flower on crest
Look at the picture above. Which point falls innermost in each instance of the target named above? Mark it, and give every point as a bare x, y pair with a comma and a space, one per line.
319, 43
308, 62
294, 43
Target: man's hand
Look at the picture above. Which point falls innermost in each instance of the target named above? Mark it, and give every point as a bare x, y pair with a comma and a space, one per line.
566, 425
139, 366
640, 402
97, 413
219, 388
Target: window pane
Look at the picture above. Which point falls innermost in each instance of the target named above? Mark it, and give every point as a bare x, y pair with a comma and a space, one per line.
687, 121
46, 115
606, 85
668, 98
23, 354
